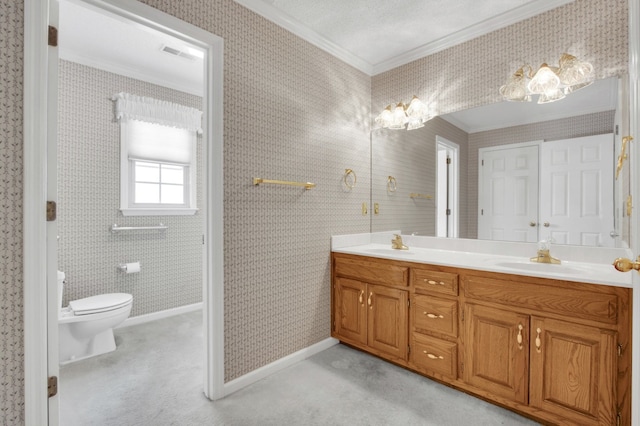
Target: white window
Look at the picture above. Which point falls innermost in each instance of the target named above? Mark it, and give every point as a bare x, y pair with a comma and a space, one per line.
157, 156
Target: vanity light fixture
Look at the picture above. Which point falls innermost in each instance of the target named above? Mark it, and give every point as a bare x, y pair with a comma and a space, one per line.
413, 116
551, 83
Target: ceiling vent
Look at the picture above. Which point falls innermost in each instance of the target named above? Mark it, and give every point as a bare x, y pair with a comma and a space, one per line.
177, 52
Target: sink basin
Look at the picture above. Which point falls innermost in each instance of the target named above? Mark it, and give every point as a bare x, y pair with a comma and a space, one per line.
540, 267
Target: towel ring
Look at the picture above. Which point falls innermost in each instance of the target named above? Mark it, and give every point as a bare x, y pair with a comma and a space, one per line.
391, 184
347, 173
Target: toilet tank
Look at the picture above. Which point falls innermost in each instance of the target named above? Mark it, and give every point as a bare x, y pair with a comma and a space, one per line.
60, 288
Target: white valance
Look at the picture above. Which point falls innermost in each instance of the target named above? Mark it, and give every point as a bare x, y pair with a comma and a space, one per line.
133, 107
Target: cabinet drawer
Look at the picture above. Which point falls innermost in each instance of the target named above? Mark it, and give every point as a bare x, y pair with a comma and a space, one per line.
433, 281
584, 304
431, 314
372, 272
433, 355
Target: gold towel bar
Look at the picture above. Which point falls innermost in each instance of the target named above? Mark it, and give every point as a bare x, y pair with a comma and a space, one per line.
416, 195
307, 185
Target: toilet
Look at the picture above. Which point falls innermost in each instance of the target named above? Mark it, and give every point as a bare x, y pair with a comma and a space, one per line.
85, 327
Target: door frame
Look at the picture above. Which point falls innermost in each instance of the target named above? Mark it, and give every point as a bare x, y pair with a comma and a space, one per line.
454, 183
634, 163
40, 297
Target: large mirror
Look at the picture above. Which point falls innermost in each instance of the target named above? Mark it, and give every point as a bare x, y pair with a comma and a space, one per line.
508, 171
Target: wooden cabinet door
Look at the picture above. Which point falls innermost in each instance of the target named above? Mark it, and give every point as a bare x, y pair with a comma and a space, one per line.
388, 320
573, 371
496, 351
350, 310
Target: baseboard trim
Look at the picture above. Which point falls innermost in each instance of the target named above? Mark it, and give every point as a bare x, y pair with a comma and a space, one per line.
141, 319
262, 372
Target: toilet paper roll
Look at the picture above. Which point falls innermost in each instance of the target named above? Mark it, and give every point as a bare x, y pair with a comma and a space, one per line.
132, 268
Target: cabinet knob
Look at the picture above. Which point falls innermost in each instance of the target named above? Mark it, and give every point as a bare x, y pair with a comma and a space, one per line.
369, 302
538, 340
360, 298
519, 336
432, 356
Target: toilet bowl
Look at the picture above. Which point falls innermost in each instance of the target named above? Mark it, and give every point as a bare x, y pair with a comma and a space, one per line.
85, 327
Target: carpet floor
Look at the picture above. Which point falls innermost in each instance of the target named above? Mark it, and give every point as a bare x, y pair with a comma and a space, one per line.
155, 378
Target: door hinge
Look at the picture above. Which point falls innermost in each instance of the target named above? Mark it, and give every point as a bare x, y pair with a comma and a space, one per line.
482, 163
51, 211
462, 367
52, 386
53, 36
617, 129
203, 239
481, 212
448, 160
462, 315
448, 212
408, 349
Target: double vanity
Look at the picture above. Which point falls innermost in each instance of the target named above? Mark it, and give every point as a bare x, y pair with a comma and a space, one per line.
549, 341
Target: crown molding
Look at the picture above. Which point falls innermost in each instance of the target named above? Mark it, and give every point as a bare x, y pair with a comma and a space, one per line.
287, 22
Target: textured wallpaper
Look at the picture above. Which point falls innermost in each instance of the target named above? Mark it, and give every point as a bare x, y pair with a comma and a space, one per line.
89, 201
410, 157
11, 301
293, 112
470, 74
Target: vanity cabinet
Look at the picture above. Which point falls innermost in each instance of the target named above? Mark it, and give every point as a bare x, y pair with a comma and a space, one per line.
556, 351
550, 347
370, 310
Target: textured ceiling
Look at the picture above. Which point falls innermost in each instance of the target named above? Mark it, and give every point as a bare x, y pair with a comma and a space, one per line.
379, 30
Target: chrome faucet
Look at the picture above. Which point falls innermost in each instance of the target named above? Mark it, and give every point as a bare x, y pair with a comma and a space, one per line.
397, 244
543, 253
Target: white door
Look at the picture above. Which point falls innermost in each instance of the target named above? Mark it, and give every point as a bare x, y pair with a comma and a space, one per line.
508, 193
576, 191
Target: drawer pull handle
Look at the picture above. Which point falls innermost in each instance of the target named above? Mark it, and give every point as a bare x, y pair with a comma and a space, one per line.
360, 298
432, 282
432, 356
519, 337
432, 316
538, 341
369, 302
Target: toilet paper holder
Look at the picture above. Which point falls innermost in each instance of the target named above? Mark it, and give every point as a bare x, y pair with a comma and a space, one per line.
130, 267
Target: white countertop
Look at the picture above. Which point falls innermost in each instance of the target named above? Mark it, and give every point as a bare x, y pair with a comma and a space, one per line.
491, 256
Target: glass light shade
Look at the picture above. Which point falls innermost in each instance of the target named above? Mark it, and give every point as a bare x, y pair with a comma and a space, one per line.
551, 96
573, 72
415, 123
398, 118
384, 118
515, 89
418, 109
544, 81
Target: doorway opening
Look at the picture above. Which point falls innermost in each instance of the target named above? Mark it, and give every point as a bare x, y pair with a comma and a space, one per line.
447, 179
41, 110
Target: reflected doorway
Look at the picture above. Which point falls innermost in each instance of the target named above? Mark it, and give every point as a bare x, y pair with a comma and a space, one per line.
447, 188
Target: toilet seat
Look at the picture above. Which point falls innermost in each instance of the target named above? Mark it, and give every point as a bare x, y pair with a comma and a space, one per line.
100, 303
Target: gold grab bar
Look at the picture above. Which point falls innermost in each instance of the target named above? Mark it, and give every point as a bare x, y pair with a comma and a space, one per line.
306, 185
416, 195
623, 154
